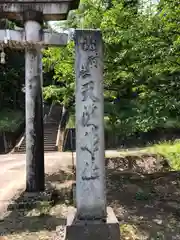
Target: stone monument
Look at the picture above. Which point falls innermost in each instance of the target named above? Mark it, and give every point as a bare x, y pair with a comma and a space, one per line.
92, 219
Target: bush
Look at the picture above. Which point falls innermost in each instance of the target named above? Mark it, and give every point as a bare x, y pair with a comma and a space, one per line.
170, 150
10, 120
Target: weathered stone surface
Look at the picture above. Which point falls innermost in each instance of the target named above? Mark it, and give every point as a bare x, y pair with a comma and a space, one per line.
143, 163
52, 10
17, 39
92, 230
34, 112
90, 162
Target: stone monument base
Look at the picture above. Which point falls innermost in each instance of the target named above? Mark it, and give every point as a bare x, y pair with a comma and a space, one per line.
92, 230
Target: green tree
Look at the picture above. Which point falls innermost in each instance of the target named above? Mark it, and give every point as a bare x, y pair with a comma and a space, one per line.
141, 62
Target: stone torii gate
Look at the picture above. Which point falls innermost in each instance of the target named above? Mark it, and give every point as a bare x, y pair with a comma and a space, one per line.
92, 220
32, 14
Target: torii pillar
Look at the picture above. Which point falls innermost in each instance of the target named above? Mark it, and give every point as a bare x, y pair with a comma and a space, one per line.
32, 14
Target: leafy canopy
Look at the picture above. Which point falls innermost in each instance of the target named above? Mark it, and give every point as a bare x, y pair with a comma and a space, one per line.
141, 63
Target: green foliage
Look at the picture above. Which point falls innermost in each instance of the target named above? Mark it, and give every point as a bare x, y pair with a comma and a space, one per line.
10, 120
71, 122
170, 150
61, 59
11, 75
142, 64
11, 82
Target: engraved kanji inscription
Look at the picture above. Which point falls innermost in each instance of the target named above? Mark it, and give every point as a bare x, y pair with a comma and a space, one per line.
85, 68
94, 147
91, 172
88, 91
84, 71
87, 114
92, 61
88, 44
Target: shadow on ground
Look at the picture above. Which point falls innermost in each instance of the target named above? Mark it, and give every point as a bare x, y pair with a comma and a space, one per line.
146, 204
36, 215
145, 198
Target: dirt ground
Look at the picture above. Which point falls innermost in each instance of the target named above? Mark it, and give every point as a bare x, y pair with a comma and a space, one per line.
142, 190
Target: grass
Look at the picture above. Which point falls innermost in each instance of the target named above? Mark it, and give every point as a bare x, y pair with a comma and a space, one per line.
129, 231
71, 122
10, 119
170, 150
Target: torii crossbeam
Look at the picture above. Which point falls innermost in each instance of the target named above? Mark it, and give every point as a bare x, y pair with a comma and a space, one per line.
52, 10
17, 39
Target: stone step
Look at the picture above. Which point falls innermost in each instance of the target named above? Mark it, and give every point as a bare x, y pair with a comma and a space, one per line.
50, 135
50, 143
45, 142
45, 150
45, 146
49, 140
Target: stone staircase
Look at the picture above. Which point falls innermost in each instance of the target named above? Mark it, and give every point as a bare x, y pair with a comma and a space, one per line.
51, 124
